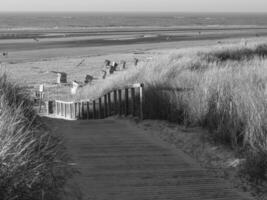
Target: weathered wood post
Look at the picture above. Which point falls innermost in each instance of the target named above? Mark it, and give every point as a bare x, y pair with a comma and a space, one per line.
126, 101
75, 110
61, 109
49, 107
82, 108
109, 105
115, 102
141, 101
56, 108
105, 106
70, 107
87, 110
100, 108
133, 100
94, 110
65, 105
120, 110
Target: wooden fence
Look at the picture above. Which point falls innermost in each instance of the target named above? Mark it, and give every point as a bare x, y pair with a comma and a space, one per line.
123, 101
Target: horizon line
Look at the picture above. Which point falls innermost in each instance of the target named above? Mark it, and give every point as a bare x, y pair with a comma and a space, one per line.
119, 11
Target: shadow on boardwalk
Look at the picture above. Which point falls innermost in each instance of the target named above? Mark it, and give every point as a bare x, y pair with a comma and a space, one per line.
118, 161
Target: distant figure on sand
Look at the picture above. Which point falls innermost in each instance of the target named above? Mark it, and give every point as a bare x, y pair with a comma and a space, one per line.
5, 54
123, 63
61, 77
107, 63
136, 61
104, 74
88, 79
113, 67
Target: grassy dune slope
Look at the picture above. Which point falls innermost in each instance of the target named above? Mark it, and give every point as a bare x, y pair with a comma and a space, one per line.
228, 94
33, 164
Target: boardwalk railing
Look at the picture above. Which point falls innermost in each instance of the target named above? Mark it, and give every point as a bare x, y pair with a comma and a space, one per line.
123, 101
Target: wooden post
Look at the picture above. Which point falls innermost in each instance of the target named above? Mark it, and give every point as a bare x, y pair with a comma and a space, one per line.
80, 111
87, 110
120, 111
65, 110
133, 101
61, 109
82, 108
115, 102
94, 110
126, 101
100, 108
74, 109
40, 101
56, 108
105, 106
109, 105
70, 111
141, 101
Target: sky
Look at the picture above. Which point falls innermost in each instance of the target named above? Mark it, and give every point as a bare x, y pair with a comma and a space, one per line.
136, 5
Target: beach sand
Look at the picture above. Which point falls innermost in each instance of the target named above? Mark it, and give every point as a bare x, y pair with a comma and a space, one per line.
30, 62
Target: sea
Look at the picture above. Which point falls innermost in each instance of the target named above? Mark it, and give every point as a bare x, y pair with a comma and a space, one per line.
48, 20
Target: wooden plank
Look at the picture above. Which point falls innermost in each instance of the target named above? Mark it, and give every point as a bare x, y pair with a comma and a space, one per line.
115, 102
109, 105
94, 110
82, 109
105, 106
61, 109
56, 107
141, 101
100, 108
75, 110
120, 103
126, 101
133, 101
87, 110
59, 104
65, 105
70, 105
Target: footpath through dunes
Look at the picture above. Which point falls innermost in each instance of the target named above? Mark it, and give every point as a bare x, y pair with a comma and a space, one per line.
119, 161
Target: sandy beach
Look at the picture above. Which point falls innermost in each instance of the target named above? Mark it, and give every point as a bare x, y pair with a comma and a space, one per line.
30, 61
35, 45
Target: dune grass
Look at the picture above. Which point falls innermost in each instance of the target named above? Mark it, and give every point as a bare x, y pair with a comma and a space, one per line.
33, 165
228, 94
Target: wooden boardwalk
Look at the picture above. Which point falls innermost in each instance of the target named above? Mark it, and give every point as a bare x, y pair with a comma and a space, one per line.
120, 162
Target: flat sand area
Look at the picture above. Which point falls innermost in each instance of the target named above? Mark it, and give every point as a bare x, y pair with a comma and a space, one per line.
38, 45
30, 60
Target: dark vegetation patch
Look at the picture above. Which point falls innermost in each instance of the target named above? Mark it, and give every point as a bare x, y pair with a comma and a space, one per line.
244, 53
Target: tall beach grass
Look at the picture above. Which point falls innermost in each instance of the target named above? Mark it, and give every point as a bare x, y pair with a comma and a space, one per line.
227, 96
33, 165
